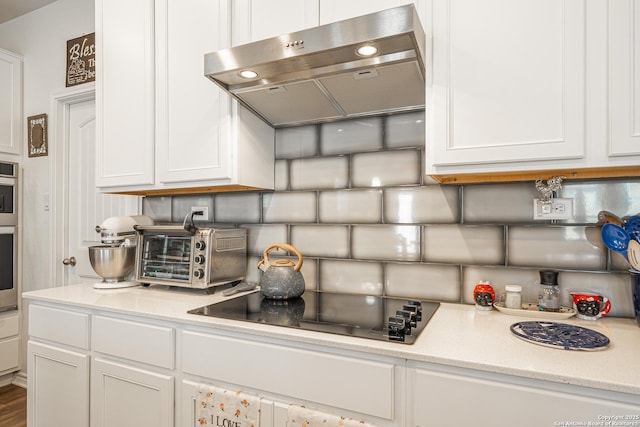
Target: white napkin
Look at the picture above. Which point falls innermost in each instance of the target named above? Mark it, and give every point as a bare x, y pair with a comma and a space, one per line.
219, 407
299, 416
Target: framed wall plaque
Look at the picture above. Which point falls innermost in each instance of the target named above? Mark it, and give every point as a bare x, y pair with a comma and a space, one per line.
37, 139
81, 60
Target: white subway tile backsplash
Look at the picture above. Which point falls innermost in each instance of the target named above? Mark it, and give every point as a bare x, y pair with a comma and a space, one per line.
386, 168
463, 244
237, 207
426, 204
158, 208
406, 130
261, 236
350, 206
330, 241
555, 247
589, 198
180, 207
355, 277
296, 142
289, 207
499, 203
356, 201
319, 173
428, 281
386, 242
281, 175
351, 136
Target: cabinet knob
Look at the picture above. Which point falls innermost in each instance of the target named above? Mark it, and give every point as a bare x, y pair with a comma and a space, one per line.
69, 261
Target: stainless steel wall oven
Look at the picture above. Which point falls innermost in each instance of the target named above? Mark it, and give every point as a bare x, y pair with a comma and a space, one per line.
8, 236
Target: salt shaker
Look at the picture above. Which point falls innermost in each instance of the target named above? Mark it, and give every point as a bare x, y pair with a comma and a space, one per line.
513, 296
549, 291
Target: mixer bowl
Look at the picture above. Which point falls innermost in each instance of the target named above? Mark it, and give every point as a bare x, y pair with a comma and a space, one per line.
112, 263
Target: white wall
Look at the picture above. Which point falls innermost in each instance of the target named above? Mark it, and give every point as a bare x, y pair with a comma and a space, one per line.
40, 37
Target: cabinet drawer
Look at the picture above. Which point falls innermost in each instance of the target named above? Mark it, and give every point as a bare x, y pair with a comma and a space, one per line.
9, 325
62, 326
144, 343
359, 385
9, 354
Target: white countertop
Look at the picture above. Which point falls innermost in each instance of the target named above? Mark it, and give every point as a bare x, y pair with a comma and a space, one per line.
458, 335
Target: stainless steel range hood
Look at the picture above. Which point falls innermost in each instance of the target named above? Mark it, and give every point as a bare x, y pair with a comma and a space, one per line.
317, 75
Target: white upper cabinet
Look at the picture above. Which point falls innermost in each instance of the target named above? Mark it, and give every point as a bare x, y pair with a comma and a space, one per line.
192, 138
523, 87
10, 102
162, 125
125, 96
508, 83
624, 77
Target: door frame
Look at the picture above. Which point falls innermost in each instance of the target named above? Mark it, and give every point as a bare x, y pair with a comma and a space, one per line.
61, 102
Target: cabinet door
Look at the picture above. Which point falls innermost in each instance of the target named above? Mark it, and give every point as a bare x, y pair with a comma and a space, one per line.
257, 19
507, 85
193, 139
124, 396
337, 10
10, 102
58, 387
9, 342
624, 77
443, 399
124, 92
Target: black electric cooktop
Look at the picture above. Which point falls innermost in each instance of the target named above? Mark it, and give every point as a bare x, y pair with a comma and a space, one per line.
363, 316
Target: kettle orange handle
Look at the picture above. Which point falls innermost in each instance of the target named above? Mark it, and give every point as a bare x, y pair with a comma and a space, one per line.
282, 262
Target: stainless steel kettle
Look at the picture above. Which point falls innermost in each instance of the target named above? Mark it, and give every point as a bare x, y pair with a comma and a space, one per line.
281, 279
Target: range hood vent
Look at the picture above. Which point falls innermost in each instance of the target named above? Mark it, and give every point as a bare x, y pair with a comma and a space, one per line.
317, 75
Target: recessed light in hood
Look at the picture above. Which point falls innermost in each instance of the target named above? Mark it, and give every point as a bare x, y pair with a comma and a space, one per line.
319, 75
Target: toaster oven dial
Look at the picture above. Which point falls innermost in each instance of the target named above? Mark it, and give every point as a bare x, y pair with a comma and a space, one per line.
199, 259
198, 274
201, 245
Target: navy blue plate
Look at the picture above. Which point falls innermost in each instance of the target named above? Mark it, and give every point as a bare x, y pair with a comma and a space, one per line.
560, 335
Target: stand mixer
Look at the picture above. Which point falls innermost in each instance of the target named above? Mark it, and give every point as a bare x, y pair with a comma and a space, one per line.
114, 260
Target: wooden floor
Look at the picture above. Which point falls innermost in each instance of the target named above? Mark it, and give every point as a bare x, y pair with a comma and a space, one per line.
13, 406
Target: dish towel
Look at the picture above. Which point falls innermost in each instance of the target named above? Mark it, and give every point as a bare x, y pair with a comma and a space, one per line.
299, 416
220, 407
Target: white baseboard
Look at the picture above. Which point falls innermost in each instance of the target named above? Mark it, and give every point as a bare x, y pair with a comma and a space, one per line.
20, 379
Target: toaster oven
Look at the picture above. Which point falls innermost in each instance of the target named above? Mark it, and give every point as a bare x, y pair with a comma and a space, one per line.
170, 255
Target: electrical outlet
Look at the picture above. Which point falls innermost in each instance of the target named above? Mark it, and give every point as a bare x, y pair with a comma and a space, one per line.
557, 209
205, 213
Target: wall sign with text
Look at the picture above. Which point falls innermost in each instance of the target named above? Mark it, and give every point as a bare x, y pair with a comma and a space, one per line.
81, 60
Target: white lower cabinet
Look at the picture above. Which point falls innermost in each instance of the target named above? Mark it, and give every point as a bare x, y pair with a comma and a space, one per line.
125, 396
9, 342
345, 383
454, 397
110, 370
57, 386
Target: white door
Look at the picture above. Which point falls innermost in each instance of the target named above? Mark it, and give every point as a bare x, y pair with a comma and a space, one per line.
77, 206
87, 207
